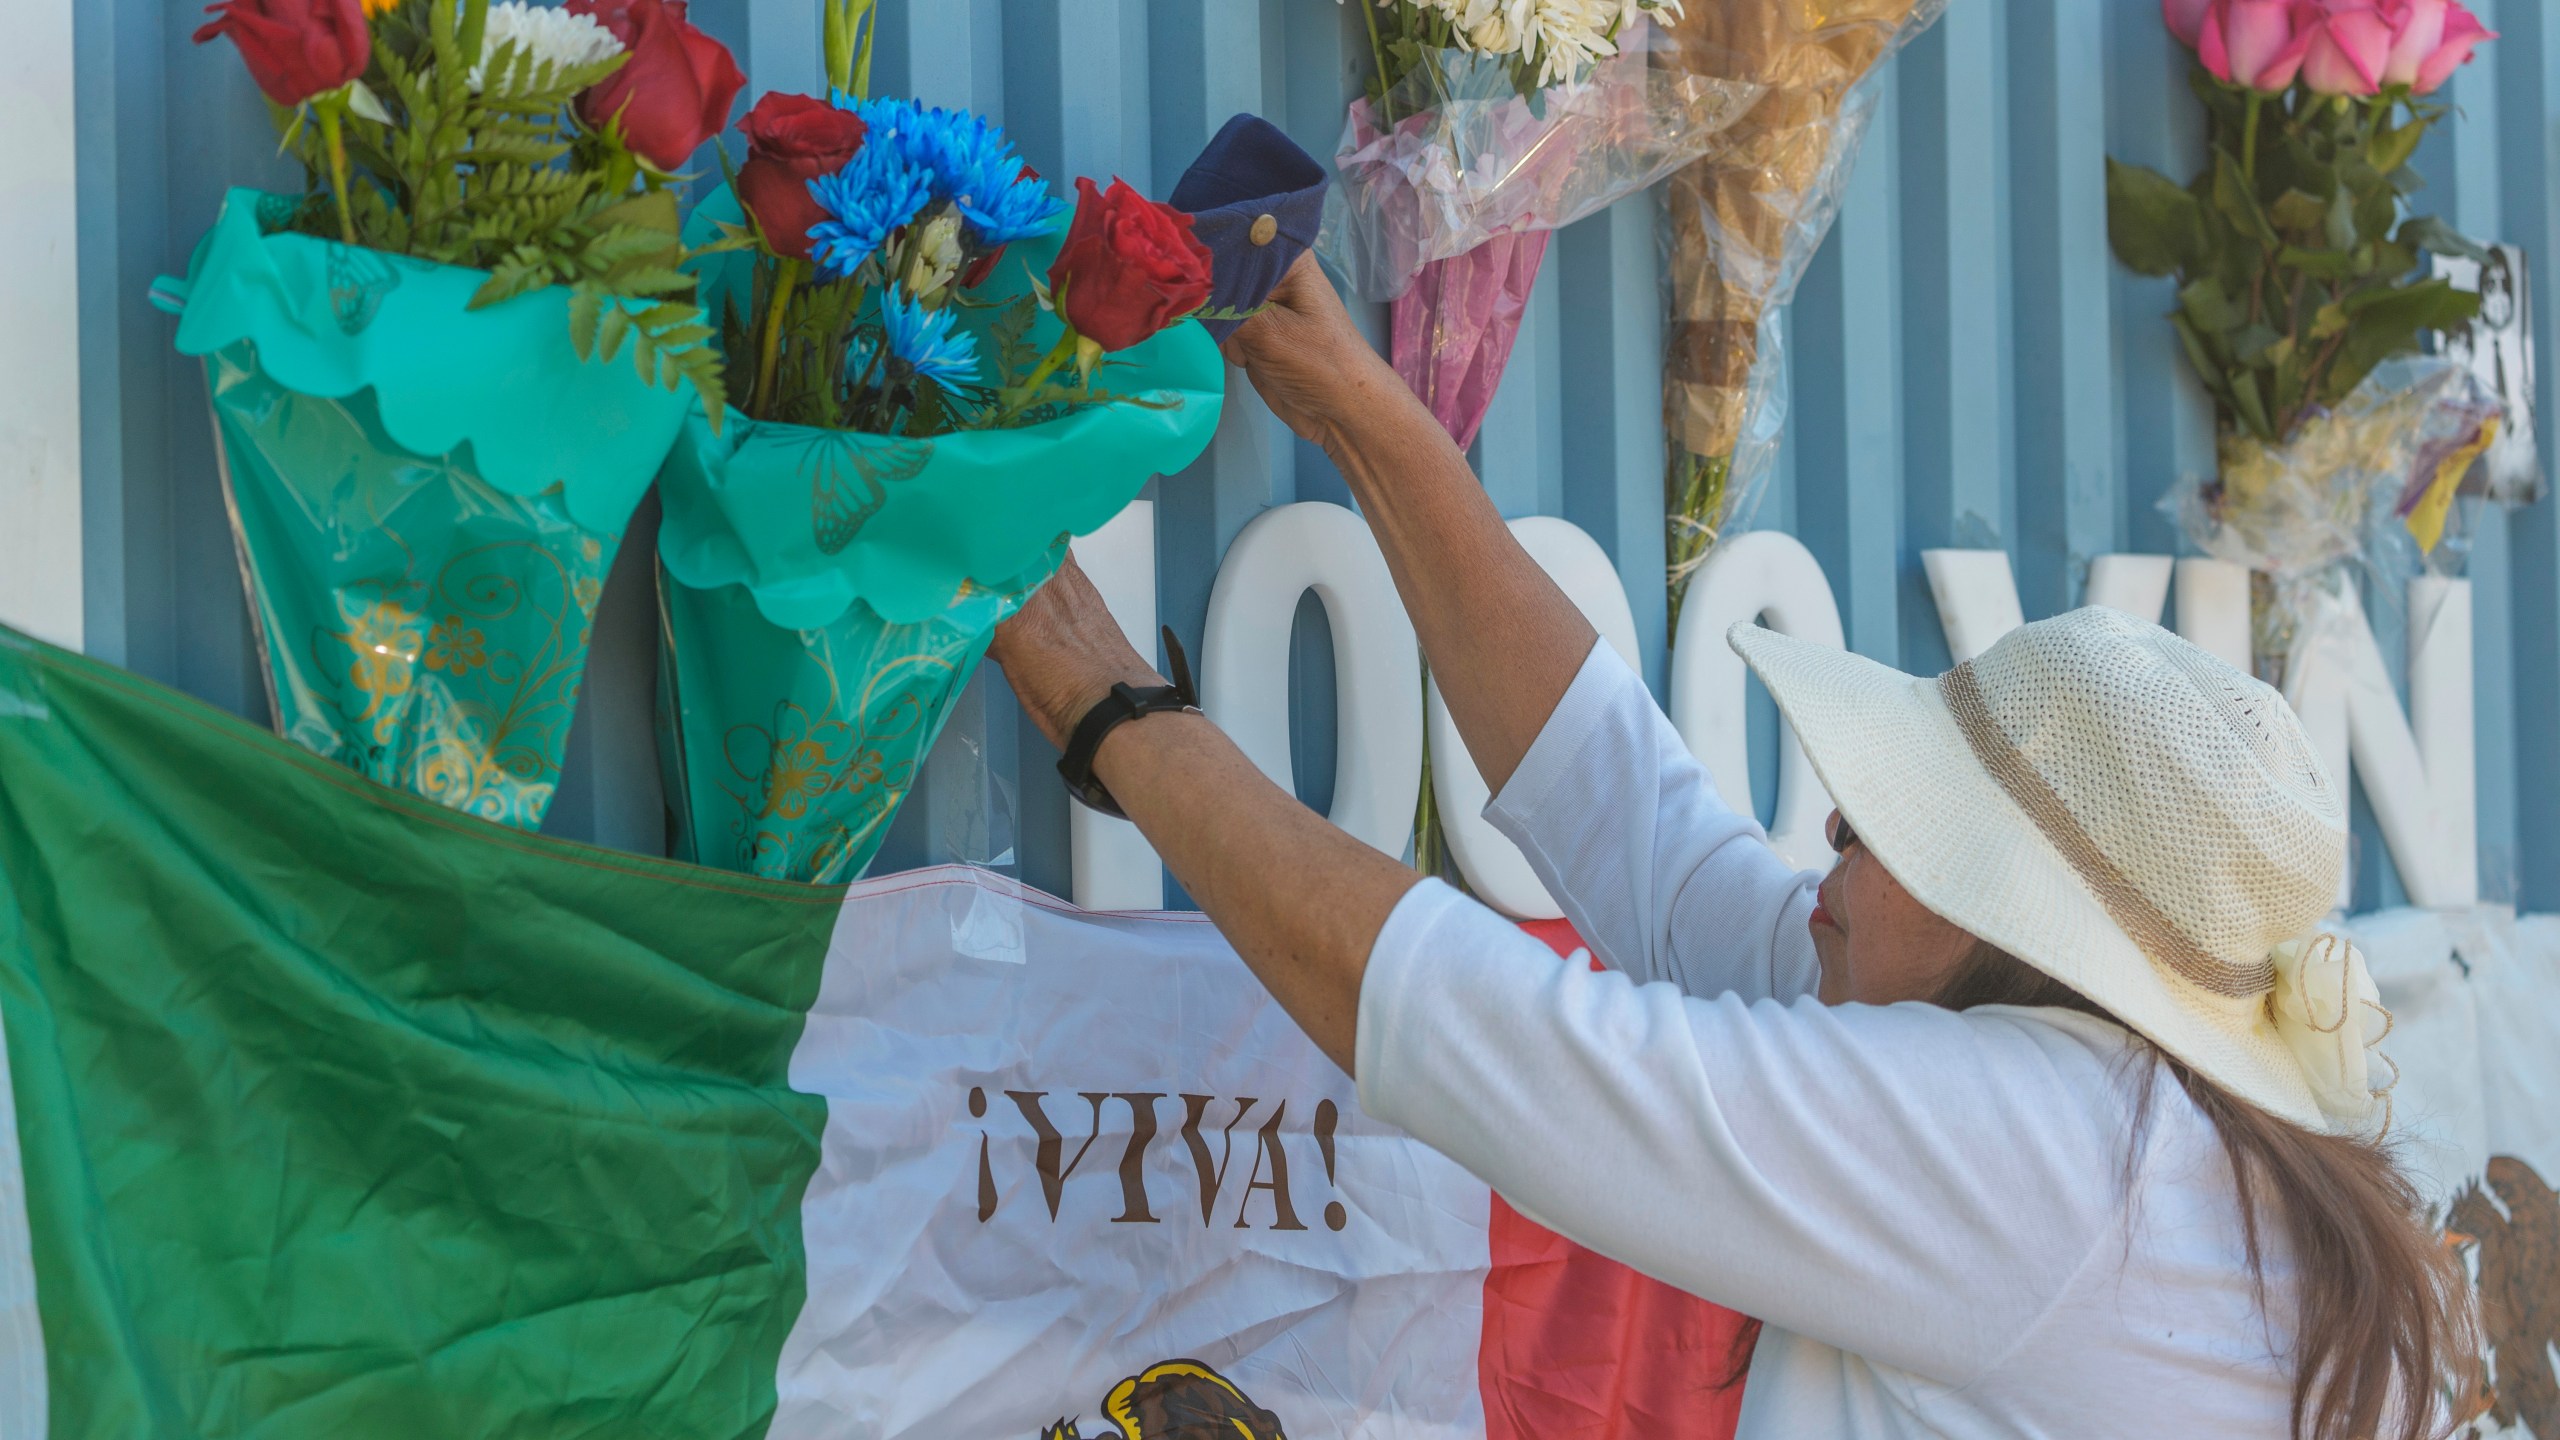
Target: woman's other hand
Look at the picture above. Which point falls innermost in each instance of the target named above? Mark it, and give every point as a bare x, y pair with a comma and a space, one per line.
1064, 650
1306, 359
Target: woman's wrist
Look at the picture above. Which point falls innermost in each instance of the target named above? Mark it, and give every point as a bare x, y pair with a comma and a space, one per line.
1059, 698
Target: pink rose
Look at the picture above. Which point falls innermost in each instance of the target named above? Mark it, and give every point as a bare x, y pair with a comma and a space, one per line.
2430, 39
2256, 43
2348, 44
2185, 18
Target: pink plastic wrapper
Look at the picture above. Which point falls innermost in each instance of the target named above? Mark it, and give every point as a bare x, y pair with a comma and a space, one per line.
1454, 327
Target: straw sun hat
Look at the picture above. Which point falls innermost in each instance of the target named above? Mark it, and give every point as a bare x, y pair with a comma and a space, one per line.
2127, 814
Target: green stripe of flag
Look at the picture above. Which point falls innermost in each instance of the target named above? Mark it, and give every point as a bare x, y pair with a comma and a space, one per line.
342, 1115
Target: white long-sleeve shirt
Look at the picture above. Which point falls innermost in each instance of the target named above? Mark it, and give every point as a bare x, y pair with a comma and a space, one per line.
1947, 1221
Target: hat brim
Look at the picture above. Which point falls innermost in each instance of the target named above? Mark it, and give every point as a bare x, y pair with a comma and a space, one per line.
1902, 774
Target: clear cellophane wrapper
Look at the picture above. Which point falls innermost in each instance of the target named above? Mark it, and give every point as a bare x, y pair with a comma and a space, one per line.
1741, 224
1468, 157
2339, 493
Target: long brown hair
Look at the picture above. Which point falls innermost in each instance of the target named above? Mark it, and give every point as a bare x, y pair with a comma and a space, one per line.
2384, 1328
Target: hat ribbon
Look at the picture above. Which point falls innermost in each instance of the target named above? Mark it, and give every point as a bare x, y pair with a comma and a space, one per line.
2329, 1013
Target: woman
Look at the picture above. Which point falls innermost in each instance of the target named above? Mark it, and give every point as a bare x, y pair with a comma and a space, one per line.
2044, 1113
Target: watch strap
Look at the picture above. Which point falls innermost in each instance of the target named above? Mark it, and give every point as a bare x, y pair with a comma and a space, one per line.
1123, 704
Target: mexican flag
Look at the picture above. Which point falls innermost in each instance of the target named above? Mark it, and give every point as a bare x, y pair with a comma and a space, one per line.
329, 1112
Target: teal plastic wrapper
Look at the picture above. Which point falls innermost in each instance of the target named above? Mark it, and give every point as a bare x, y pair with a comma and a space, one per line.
786, 752
417, 623
426, 499
825, 594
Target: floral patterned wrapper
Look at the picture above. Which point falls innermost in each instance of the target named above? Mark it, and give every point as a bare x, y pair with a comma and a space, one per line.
786, 752
426, 500
826, 594
417, 623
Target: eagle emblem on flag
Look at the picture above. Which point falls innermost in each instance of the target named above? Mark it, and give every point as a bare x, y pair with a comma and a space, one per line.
1178, 1400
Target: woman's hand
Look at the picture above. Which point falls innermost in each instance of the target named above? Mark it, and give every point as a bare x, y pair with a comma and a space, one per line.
1063, 651
1309, 363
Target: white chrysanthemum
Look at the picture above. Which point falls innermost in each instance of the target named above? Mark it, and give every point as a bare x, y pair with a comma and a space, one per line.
1567, 37
553, 37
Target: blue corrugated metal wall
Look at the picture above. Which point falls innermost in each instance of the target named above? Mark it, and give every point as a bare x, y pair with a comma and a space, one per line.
1969, 367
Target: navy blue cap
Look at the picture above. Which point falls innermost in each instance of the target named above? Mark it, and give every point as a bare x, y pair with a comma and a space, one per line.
1256, 200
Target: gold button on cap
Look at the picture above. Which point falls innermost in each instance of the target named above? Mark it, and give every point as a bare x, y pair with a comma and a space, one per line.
1265, 230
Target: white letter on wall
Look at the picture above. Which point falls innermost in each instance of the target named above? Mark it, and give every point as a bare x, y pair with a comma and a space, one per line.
2138, 585
2213, 611
1771, 577
1244, 670
2421, 783
1494, 867
1977, 598
1114, 867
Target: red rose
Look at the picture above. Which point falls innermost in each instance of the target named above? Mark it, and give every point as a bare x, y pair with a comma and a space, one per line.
792, 140
1130, 266
295, 49
676, 89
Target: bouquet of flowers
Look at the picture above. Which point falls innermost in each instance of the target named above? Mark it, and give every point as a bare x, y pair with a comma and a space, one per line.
428, 466
1487, 125
2299, 277
1741, 225
934, 389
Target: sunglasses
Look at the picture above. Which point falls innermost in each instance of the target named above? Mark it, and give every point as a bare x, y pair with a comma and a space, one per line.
1839, 834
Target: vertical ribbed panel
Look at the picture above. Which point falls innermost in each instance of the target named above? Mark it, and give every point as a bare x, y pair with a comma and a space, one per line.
1969, 366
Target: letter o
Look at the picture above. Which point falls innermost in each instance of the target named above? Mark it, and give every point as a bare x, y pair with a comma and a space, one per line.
1494, 867
1767, 576
1244, 673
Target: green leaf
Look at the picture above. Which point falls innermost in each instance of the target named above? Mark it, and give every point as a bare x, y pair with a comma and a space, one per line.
2392, 148
2231, 196
2156, 226
2376, 213
584, 311
2250, 405
2318, 264
2211, 307
2340, 227
2298, 211
2250, 344
2384, 322
2426, 232
609, 335
2217, 381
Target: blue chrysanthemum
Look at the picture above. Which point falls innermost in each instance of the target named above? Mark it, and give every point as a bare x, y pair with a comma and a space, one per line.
926, 341
970, 164
866, 202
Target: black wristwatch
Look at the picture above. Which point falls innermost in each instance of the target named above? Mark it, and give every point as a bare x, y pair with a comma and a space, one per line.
1125, 703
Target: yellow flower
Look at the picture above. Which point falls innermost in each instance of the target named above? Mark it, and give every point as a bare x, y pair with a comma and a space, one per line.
374, 8
799, 775
455, 648
384, 639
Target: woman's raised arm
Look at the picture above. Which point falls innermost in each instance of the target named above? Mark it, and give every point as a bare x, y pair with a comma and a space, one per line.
1503, 640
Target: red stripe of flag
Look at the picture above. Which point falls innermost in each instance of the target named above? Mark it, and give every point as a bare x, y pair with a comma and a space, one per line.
1579, 1347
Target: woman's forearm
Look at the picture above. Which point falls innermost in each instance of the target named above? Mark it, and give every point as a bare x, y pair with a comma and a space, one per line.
1301, 901
1502, 639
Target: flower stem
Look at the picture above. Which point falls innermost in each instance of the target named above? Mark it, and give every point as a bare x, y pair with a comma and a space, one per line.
862, 61
1378, 54
2249, 141
332, 113
1021, 396
786, 274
